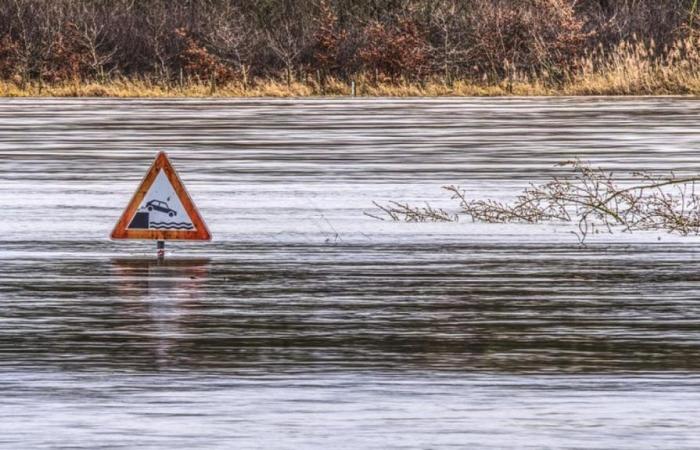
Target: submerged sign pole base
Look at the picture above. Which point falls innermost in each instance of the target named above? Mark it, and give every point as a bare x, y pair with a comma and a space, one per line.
161, 209
160, 246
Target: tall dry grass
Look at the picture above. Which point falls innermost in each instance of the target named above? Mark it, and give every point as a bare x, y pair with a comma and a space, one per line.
630, 68
640, 69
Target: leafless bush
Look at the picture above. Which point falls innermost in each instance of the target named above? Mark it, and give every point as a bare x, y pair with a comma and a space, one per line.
448, 54
92, 22
526, 37
234, 38
591, 198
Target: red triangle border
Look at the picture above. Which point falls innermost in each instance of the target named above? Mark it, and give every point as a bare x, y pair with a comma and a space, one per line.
200, 233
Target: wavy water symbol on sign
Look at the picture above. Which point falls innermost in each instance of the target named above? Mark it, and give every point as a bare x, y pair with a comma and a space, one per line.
171, 225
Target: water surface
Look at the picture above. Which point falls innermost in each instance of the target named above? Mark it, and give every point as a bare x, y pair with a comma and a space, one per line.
306, 324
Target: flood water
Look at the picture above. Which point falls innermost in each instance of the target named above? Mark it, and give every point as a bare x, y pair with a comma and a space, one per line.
306, 324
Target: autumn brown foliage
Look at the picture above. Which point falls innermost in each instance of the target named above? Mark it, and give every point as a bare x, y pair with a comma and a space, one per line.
330, 40
197, 62
223, 41
394, 49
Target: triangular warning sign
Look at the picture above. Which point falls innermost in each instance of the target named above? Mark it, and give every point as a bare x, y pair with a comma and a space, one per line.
161, 208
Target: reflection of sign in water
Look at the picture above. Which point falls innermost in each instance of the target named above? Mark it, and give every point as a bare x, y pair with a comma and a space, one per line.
161, 208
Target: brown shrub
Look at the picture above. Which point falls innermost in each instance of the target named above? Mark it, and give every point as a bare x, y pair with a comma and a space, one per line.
532, 37
329, 40
66, 57
393, 50
198, 63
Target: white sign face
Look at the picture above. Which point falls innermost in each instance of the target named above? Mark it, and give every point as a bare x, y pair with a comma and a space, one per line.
161, 209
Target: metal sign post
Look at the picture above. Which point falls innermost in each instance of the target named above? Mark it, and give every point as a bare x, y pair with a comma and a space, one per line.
161, 250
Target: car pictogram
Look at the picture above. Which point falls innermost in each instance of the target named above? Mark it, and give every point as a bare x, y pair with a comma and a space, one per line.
161, 206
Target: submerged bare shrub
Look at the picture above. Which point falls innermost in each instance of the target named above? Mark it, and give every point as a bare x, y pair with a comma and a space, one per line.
404, 212
591, 198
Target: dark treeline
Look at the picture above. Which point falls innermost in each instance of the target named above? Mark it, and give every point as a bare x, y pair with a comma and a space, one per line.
236, 40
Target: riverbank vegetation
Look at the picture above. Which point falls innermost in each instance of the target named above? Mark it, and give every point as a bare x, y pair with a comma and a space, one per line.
323, 47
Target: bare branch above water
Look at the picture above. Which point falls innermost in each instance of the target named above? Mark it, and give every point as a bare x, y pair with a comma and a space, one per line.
590, 198
403, 212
